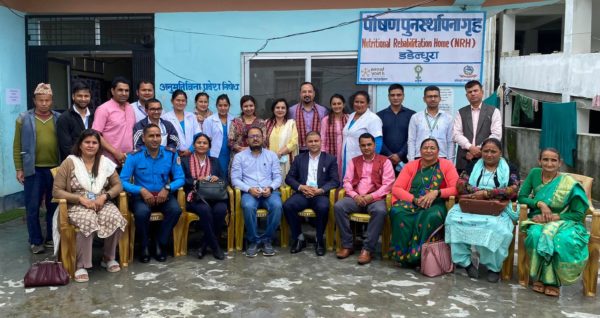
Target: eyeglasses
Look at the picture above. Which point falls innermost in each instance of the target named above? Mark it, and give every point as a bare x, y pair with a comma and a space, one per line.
154, 109
254, 136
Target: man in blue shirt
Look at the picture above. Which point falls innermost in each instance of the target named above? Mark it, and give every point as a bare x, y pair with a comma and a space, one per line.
395, 120
151, 167
257, 173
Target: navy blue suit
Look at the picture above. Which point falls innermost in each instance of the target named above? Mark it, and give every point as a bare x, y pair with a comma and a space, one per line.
327, 179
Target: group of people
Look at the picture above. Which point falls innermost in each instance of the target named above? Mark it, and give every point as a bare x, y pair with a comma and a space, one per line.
313, 149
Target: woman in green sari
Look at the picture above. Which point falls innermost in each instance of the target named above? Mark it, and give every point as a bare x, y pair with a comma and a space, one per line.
419, 209
556, 235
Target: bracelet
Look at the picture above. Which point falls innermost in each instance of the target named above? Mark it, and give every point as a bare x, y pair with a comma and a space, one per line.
439, 194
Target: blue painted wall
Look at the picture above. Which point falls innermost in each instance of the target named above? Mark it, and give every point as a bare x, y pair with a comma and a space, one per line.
201, 58
12, 75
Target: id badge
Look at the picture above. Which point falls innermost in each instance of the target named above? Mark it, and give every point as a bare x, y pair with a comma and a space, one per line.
91, 196
311, 184
283, 159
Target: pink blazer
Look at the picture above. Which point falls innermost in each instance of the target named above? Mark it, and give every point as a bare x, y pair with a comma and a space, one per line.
401, 188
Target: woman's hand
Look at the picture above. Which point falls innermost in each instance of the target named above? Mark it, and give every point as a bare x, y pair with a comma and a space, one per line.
213, 179
87, 203
100, 201
546, 212
426, 200
480, 195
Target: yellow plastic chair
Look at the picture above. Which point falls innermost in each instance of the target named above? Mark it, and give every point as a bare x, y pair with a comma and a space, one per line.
365, 218
229, 219
310, 213
180, 231
260, 213
68, 250
590, 273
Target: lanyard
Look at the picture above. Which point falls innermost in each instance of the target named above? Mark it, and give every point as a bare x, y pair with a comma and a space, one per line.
431, 129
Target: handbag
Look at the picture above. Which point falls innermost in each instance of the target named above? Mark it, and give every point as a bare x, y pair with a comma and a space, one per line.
210, 191
483, 207
46, 273
436, 259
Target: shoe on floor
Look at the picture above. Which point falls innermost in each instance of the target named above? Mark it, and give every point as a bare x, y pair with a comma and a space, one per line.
49, 244
37, 248
81, 275
111, 266
218, 254
493, 277
320, 248
298, 246
252, 250
364, 257
344, 252
268, 249
472, 271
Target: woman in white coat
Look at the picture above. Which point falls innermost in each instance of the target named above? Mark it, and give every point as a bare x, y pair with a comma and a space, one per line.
361, 121
216, 127
185, 122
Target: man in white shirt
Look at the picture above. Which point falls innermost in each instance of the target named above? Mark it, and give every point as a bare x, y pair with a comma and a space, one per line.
431, 123
473, 124
145, 91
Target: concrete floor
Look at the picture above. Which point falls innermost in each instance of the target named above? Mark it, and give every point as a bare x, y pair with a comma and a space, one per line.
285, 285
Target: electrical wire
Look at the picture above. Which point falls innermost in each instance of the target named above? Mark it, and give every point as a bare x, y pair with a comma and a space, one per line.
210, 34
341, 24
11, 10
268, 40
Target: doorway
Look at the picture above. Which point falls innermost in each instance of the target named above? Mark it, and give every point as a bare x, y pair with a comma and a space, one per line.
97, 70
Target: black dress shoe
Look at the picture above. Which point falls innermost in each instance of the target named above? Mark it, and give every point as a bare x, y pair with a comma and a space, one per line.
320, 248
218, 254
298, 246
161, 253
202, 251
145, 255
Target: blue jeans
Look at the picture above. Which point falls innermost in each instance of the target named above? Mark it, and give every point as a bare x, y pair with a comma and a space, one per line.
250, 204
170, 210
39, 186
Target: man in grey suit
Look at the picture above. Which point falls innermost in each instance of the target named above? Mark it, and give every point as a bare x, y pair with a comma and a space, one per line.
473, 124
311, 175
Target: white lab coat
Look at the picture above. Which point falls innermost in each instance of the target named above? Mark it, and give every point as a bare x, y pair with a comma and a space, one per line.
369, 122
213, 128
192, 127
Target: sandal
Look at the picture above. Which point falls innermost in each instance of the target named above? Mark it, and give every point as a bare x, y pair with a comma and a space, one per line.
539, 287
552, 291
81, 276
111, 266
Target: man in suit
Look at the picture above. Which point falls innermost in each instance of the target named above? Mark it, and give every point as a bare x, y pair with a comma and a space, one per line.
473, 124
311, 175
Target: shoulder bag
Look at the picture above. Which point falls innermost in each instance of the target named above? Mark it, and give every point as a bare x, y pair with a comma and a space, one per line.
436, 259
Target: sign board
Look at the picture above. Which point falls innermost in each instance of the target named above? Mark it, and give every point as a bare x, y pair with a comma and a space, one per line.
421, 48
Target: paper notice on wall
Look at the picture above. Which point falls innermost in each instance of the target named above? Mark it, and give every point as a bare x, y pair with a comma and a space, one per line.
447, 99
13, 96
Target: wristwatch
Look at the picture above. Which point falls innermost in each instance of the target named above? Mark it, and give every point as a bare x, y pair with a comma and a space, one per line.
167, 187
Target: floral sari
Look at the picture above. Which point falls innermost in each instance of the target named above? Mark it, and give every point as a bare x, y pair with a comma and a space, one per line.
411, 225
